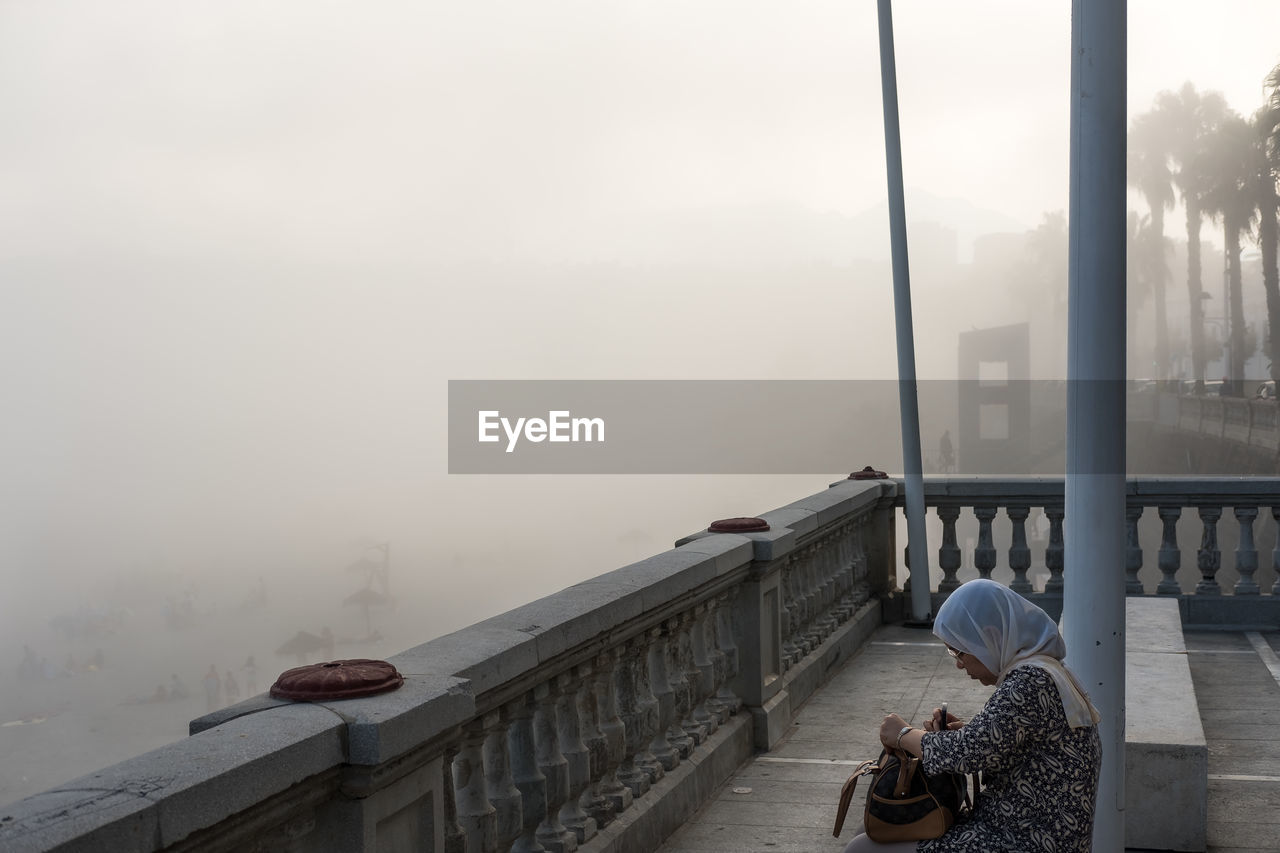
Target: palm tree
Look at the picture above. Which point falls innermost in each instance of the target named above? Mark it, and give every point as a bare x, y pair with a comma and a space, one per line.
1191, 118
1146, 271
1267, 123
1149, 173
1230, 192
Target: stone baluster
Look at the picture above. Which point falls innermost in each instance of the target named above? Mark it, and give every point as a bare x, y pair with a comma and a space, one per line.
526, 776
569, 728
502, 790
1019, 553
1246, 553
1132, 551
615, 792
817, 610
632, 713
552, 834
798, 565
809, 597
679, 687
861, 569
592, 800
844, 573
1209, 558
794, 648
1169, 559
668, 754
824, 619
454, 839
710, 711
791, 644
477, 817
984, 555
949, 551
827, 576
1054, 551
1275, 552
697, 723
727, 645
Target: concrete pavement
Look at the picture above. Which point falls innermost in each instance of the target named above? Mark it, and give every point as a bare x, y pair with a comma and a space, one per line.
784, 801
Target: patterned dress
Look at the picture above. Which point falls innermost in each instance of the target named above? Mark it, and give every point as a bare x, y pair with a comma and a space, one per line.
1039, 776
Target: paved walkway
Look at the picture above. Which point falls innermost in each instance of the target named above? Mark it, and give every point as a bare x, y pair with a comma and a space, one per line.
784, 801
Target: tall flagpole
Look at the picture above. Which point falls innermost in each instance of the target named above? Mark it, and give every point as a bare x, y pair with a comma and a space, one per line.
908, 402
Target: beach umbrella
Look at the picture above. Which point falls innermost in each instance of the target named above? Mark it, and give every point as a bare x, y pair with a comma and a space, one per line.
301, 644
367, 598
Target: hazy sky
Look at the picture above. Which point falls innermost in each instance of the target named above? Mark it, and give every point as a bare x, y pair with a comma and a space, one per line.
243, 245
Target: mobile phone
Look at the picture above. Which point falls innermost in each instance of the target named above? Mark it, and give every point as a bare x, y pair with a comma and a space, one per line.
943, 727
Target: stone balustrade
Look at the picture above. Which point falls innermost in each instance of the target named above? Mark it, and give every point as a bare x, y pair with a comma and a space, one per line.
1157, 504
601, 717
597, 718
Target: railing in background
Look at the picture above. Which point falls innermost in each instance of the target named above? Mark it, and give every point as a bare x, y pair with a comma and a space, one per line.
1211, 501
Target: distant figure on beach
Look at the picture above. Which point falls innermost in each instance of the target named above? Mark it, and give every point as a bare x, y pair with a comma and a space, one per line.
29, 669
947, 453
212, 689
232, 687
177, 689
250, 670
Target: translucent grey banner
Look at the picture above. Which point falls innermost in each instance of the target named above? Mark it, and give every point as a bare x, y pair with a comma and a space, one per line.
758, 426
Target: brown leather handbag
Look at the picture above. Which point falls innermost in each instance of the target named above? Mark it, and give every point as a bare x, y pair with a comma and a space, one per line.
903, 803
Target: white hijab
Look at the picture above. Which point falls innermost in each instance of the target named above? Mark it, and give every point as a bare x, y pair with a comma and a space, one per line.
1003, 630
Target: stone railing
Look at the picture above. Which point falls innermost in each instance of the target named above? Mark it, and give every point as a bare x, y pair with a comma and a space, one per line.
1235, 424
1164, 517
1235, 419
598, 718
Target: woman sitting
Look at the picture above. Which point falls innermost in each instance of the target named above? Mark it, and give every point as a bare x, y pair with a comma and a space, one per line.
1035, 741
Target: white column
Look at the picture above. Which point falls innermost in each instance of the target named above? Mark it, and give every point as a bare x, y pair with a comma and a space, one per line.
1093, 605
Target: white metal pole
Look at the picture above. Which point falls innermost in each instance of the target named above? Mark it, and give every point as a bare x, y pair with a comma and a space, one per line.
908, 401
1093, 600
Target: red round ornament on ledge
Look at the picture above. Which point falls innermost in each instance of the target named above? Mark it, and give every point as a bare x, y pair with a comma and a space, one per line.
739, 525
338, 679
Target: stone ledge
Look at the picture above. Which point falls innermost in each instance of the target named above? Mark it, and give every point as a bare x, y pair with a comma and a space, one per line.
160, 798
1166, 755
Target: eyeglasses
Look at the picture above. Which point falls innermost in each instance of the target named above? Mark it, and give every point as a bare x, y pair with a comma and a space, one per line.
955, 654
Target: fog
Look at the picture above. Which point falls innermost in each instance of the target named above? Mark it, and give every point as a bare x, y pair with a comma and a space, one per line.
245, 246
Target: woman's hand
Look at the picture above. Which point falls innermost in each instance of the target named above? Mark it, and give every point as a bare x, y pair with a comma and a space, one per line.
934, 723
889, 730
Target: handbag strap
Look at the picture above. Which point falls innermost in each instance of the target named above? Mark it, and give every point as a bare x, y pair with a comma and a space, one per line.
907, 764
846, 793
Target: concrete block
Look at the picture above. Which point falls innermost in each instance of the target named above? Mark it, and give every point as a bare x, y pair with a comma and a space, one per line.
729, 550
566, 619
1153, 625
772, 720
162, 797
252, 705
232, 767
798, 519
485, 655
386, 725
666, 576
766, 545
1166, 755
85, 816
